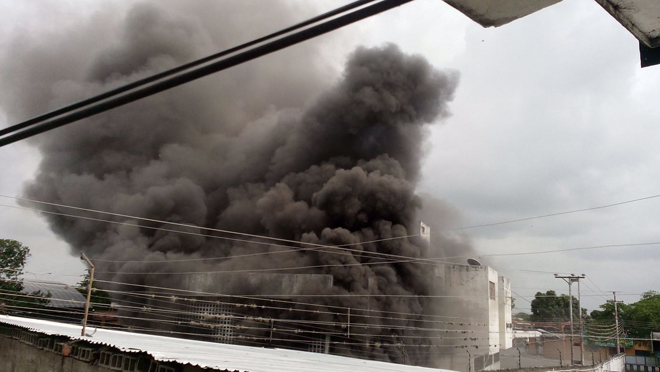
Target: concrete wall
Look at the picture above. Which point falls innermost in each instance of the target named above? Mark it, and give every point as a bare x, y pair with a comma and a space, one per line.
550, 349
483, 301
493, 311
16, 356
504, 303
615, 364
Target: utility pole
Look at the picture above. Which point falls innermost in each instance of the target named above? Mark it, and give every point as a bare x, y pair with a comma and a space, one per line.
581, 326
89, 291
570, 279
616, 322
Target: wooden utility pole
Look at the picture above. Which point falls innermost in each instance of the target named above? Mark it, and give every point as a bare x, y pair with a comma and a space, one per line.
89, 291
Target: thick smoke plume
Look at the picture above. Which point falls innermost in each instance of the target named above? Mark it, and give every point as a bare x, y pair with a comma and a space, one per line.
244, 151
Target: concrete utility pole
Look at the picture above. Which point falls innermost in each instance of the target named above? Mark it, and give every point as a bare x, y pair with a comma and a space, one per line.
616, 322
89, 291
581, 326
570, 279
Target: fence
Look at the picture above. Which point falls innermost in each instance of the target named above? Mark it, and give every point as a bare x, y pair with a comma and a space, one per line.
642, 363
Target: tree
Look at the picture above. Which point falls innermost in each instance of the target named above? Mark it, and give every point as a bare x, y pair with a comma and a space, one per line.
100, 299
637, 319
522, 316
552, 307
643, 317
13, 256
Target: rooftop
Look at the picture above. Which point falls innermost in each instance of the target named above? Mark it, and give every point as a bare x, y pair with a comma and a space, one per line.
213, 355
61, 295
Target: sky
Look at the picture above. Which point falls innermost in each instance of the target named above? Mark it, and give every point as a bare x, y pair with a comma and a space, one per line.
552, 114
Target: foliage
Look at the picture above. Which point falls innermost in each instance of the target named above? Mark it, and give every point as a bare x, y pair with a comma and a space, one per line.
552, 307
637, 319
100, 299
13, 256
522, 316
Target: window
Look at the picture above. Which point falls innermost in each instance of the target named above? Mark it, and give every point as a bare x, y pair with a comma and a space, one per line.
153, 366
130, 364
85, 354
491, 290
165, 369
104, 360
117, 362
316, 346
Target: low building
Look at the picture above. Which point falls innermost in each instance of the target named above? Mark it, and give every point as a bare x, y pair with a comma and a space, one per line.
484, 297
34, 344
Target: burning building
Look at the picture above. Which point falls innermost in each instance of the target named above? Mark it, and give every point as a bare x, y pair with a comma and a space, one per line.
321, 190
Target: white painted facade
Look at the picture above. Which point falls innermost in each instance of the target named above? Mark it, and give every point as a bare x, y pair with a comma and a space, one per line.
483, 297
506, 321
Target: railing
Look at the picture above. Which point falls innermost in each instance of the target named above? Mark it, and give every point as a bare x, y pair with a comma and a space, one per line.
642, 360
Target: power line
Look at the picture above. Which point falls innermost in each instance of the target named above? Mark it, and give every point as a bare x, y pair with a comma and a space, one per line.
314, 246
213, 67
187, 66
557, 214
173, 292
572, 249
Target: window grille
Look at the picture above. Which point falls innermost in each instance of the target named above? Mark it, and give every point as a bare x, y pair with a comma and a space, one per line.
216, 316
316, 346
130, 364
104, 359
85, 354
117, 362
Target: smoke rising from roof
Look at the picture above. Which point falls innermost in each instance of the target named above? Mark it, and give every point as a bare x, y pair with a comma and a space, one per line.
245, 151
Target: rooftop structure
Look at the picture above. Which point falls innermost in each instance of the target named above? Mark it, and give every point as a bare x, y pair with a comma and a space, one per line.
60, 295
209, 355
640, 17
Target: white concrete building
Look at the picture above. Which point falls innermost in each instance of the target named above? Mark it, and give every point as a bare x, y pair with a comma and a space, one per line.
482, 298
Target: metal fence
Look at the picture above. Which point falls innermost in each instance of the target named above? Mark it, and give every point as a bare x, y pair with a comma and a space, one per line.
643, 360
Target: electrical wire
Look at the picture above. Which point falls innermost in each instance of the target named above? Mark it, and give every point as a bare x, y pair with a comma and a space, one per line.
187, 66
315, 246
208, 69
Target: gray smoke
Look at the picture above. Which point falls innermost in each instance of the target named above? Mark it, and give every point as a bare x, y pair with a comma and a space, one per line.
247, 150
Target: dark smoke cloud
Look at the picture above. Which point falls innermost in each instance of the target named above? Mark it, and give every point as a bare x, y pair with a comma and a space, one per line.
244, 151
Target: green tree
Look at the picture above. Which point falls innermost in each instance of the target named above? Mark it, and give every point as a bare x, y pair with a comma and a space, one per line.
637, 319
522, 316
100, 299
643, 317
13, 256
553, 307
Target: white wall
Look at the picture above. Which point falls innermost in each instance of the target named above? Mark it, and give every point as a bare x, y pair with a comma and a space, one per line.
504, 303
493, 312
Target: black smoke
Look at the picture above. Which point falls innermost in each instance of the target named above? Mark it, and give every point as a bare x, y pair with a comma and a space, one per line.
268, 148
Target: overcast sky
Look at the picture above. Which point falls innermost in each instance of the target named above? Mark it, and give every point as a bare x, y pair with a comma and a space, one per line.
552, 113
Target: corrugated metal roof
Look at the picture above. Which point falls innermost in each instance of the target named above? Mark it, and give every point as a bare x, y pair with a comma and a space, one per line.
61, 295
214, 355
